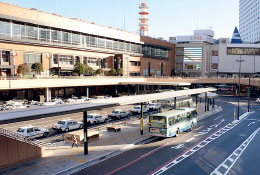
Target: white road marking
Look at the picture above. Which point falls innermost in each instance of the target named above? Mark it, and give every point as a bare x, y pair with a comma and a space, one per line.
178, 146
253, 120
235, 154
251, 123
190, 139
218, 117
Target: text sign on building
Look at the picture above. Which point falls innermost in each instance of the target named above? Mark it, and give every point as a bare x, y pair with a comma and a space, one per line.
242, 51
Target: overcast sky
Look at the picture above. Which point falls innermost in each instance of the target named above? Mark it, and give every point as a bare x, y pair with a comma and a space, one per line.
167, 17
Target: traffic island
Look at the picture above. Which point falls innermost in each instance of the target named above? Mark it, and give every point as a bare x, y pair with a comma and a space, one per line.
113, 129
92, 135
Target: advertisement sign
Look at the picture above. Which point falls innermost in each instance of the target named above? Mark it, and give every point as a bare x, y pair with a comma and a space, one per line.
207, 59
214, 60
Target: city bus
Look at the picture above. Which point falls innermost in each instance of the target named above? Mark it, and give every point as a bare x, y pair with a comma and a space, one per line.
173, 122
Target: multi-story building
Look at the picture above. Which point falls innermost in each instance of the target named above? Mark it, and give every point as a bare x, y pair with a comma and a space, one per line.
230, 54
193, 53
58, 43
249, 15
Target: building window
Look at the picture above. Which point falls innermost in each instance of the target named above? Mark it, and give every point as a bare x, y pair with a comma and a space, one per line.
66, 37
135, 63
65, 59
56, 36
5, 56
55, 59
32, 58
101, 43
76, 39
31, 32
93, 41
5, 28
115, 45
109, 44
45, 34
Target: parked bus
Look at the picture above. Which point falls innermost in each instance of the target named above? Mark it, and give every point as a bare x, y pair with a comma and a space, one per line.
173, 122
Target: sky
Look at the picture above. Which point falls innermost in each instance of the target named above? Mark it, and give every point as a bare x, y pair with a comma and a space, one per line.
167, 17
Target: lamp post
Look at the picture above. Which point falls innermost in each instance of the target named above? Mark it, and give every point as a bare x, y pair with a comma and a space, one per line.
239, 86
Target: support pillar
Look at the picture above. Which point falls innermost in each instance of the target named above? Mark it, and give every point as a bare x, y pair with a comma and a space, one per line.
128, 90
142, 120
208, 104
175, 101
87, 92
47, 94
196, 103
85, 133
205, 101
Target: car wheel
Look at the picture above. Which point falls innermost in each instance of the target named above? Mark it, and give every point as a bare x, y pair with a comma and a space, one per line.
80, 126
67, 130
119, 117
94, 122
128, 115
45, 134
105, 120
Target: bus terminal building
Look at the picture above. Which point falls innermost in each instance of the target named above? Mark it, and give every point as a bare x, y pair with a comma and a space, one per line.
58, 43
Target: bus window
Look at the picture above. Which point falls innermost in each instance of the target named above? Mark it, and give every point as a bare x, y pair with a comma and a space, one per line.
157, 119
171, 121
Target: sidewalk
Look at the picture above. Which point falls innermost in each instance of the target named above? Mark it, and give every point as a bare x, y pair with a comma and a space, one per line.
63, 159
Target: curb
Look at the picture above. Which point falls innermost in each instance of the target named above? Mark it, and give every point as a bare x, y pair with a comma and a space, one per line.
104, 157
242, 117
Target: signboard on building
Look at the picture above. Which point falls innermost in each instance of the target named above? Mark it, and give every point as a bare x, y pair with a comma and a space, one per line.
207, 59
195, 38
214, 60
242, 51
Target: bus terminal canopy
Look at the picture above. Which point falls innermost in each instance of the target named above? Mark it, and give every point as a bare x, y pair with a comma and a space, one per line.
209, 95
48, 111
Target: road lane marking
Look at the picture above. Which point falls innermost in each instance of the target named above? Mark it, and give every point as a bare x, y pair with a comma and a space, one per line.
235, 154
190, 139
178, 146
250, 123
218, 117
253, 120
183, 155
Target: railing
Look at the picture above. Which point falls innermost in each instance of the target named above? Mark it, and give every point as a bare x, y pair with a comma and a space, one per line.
17, 136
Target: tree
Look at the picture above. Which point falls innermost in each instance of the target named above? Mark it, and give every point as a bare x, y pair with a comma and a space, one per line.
79, 68
37, 68
100, 71
22, 69
112, 72
120, 72
89, 71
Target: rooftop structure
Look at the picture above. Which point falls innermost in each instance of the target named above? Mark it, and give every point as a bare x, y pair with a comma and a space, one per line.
143, 19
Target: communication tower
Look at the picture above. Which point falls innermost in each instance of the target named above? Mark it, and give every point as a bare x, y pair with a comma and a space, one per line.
143, 19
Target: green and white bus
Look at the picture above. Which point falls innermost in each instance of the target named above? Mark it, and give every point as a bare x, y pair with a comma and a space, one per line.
173, 122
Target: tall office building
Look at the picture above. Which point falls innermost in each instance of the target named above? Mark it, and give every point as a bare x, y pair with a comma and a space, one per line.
249, 20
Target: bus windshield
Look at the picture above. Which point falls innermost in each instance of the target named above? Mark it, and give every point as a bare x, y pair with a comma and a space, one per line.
157, 119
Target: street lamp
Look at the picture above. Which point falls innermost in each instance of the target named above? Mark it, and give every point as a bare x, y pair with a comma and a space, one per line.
240, 61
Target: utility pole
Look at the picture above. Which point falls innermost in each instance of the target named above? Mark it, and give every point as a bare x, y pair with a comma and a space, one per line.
239, 86
249, 93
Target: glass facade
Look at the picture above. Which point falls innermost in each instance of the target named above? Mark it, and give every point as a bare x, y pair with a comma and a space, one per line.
53, 35
5, 56
192, 58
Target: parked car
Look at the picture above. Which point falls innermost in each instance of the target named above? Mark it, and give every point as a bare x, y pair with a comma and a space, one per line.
154, 106
14, 105
258, 100
67, 125
21, 100
118, 114
54, 101
32, 132
96, 118
137, 109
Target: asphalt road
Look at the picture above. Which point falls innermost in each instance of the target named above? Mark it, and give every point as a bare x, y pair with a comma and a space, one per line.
201, 151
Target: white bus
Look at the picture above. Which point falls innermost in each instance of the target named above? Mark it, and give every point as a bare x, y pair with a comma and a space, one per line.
173, 122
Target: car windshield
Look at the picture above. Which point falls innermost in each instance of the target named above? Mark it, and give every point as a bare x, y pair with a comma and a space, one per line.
20, 130
151, 104
136, 107
61, 122
90, 116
